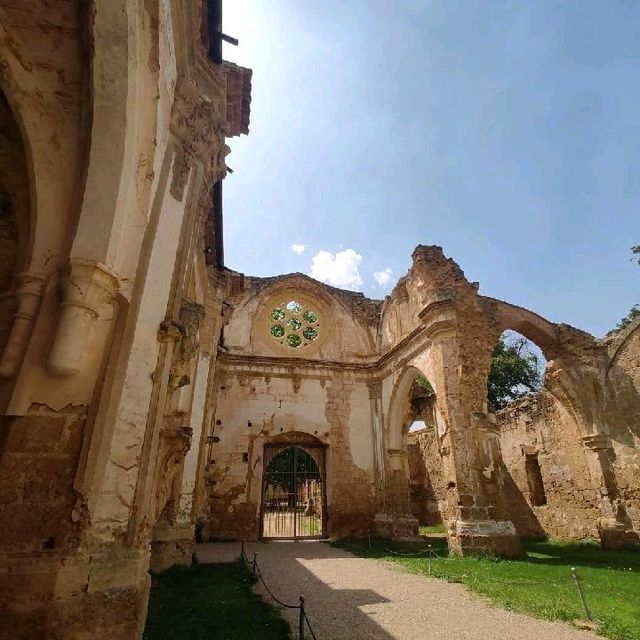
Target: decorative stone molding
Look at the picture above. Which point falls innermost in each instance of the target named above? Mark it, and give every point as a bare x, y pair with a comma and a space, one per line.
199, 122
596, 442
397, 458
375, 389
85, 286
170, 331
28, 294
439, 318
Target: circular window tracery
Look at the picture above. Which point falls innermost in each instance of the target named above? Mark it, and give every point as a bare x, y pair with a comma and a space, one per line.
294, 324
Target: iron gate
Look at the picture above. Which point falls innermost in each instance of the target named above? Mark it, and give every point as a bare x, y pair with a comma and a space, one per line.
293, 504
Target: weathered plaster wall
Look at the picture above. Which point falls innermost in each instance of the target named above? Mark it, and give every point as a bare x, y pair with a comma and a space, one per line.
115, 121
348, 320
252, 409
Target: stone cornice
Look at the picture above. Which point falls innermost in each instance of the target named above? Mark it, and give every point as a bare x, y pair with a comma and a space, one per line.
399, 355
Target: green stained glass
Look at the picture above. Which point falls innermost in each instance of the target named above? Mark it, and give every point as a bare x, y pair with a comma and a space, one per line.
278, 314
277, 331
310, 316
294, 307
294, 323
310, 333
293, 340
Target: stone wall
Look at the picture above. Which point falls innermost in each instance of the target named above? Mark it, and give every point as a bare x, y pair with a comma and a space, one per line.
256, 408
427, 482
536, 428
623, 402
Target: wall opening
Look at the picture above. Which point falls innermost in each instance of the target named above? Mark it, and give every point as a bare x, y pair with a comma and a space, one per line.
293, 495
537, 495
423, 454
517, 368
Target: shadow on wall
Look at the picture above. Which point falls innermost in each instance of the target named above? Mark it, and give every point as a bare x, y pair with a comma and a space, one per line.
522, 515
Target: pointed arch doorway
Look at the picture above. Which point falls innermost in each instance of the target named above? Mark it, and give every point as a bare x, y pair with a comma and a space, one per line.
293, 492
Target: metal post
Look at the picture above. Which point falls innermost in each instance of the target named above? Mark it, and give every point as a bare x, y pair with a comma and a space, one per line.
369, 537
580, 592
429, 554
255, 562
301, 619
242, 549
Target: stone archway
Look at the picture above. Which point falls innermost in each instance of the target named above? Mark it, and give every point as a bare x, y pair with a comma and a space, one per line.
398, 519
293, 499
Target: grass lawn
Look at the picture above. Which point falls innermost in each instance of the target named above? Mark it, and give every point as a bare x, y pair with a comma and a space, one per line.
212, 602
425, 530
540, 585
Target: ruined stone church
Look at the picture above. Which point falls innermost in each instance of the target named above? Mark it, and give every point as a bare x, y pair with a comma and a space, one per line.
152, 397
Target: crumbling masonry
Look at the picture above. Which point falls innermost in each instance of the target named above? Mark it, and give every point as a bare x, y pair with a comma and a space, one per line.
144, 386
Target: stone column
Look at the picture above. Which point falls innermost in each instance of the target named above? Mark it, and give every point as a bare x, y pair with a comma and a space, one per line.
377, 436
614, 527
29, 294
480, 524
85, 286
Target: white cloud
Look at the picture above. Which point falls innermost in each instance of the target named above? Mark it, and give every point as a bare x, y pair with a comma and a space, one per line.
298, 248
339, 269
383, 277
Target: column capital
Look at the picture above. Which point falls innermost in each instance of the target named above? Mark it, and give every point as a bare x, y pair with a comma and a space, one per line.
85, 285
596, 441
375, 389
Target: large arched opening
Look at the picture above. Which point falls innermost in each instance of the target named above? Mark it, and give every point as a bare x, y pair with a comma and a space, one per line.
414, 478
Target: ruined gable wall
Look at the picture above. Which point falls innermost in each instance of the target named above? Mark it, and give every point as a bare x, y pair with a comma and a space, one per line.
348, 320
275, 389
537, 424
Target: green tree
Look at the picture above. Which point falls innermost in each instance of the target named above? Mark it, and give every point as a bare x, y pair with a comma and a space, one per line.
515, 371
634, 312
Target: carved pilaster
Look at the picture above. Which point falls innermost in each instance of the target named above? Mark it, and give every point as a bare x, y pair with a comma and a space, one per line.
29, 295
84, 286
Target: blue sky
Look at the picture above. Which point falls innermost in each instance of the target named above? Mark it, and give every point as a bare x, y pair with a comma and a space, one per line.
506, 132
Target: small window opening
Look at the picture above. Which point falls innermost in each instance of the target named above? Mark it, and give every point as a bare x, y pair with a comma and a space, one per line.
537, 494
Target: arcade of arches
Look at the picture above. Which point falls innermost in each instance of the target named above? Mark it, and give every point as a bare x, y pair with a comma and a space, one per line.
151, 397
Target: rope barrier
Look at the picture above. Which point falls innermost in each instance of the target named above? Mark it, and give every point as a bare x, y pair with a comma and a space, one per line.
514, 583
303, 618
304, 621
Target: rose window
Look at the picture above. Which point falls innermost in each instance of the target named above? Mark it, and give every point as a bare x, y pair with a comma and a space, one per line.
294, 324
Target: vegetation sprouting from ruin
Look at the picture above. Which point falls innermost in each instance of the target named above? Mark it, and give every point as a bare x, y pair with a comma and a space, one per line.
634, 312
515, 371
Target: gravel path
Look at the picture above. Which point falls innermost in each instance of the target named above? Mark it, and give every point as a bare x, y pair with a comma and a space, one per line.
350, 598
